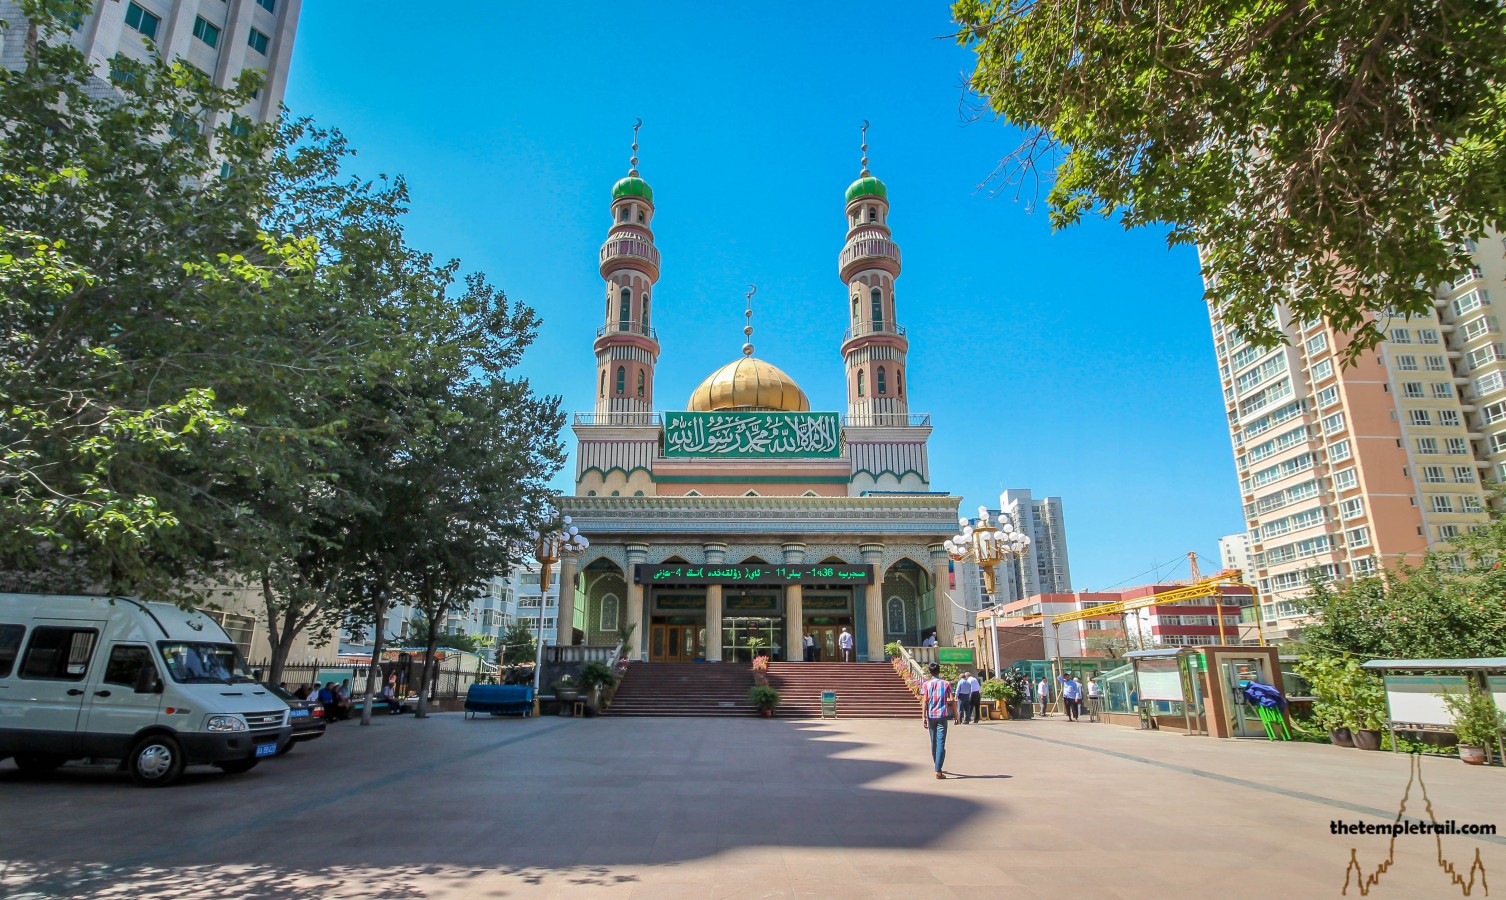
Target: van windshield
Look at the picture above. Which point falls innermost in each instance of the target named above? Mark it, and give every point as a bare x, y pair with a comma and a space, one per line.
195, 663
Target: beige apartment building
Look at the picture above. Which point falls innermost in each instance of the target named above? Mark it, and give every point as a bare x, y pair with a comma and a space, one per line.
1343, 470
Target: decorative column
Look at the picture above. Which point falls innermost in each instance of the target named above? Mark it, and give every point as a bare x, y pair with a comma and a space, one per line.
794, 603
873, 617
945, 630
716, 554
564, 625
634, 615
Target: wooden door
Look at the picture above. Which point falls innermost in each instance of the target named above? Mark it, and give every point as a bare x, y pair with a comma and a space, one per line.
675, 643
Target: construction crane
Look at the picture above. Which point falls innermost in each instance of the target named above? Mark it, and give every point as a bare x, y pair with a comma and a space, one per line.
1203, 587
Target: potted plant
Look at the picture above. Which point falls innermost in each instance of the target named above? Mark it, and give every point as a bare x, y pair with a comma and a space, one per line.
1346, 698
892, 649
765, 698
566, 690
1367, 708
1002, 693
594, 678
1477, 723
760, 670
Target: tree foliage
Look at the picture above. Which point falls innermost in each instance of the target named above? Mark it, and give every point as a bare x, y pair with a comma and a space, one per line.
1335, 156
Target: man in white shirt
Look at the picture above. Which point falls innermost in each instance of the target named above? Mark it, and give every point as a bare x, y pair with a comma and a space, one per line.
977, 707
930, 640
1043, 695
810, 647
964, 697
844, 642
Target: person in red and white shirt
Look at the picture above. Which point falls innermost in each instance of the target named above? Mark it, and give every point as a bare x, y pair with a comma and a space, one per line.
933, 699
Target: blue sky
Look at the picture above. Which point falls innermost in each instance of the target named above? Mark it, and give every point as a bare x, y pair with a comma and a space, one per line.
1076, 364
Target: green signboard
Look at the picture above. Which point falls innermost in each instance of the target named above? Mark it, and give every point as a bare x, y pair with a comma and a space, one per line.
753, 435
956, 656
823, 574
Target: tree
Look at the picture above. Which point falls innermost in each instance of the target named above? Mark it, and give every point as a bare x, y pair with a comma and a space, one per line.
1336, 156
518, 644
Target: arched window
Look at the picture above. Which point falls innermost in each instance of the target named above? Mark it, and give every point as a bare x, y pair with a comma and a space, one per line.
854, 310
895, 618
862, 383
872, 214
625, 310
622, 214
640, 217
590, 493
644, 318
876, 298
610, 609
637, 493
621, 379
640, 382
899, 382
882, 382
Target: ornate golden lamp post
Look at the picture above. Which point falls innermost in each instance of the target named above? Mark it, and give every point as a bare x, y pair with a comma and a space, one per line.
987, 544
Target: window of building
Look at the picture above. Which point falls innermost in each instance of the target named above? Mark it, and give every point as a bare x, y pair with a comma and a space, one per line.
643, 314
142, 21
1401, 336
1477, 327
1419, 417
1448, 417
1437, 364
1458, 446
1322, 369
1433, 474
881, 382
872, 214
899, 382
1333, 423
1470, 503
1358, 537
894, 618
257, 41
1328, 397
1464, 475
1427, 445
1442, 390
206, 31
1363, 566
862, 383
1338, 451
625, 309
1406, 363
1447, 532
621, 379
876, 301
1344, 480
609, 613
855, 304
1427, 336
1317, 343
1468, 303
268, 5
1489, 383
640, 382
622, 214
1352, 508
1443, 503
603, 391
1412, 389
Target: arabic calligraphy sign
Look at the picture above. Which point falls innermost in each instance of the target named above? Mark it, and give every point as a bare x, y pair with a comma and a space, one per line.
680, 574
768, 435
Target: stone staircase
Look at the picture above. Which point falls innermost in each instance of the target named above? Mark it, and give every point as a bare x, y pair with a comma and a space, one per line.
864, 690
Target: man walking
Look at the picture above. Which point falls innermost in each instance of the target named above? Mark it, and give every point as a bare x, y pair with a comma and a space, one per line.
1043, 695
844, 642
1071, 696
964, 697
977, 698
933, 697
1095, 700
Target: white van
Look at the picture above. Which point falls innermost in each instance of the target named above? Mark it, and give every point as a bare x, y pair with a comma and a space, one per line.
149, 684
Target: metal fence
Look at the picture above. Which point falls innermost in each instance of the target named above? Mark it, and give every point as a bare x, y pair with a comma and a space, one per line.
447, 681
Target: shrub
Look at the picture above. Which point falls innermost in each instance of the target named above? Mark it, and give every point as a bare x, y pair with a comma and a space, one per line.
1477, 722
951, 673
595, 674
1345, 695
763, 696
892, 648
1001, 691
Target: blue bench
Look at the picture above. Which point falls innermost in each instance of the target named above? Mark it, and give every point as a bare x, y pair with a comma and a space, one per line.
499, 699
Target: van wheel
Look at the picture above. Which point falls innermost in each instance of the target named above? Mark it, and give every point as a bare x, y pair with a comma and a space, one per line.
37, 763
237, 766
156, 761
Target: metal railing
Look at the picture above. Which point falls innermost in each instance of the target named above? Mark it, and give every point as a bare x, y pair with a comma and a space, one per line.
617, 418
872, 328
868, 248
888, 420
627, 328
630, 247
580, 654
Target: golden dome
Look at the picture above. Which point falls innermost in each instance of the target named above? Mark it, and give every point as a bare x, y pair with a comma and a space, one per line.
748, 383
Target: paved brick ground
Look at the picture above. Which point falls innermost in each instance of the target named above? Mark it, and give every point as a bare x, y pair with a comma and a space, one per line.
492, 808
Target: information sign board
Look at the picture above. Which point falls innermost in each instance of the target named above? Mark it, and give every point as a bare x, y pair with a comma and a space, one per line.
756, 435
683, 575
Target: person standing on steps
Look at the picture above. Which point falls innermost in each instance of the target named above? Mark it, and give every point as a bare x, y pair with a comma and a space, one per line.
809, 642
933, 712
844, 642
964, 697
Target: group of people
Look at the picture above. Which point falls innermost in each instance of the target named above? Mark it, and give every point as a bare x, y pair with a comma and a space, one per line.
335, 698
811, 651
937, 695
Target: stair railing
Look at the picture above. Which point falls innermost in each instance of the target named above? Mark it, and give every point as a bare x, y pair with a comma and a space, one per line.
912, 665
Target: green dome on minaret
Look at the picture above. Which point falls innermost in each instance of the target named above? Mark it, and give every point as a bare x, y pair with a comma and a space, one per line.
633, 186
867, 186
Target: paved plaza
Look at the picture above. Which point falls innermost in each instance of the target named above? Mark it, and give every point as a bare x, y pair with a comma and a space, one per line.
488, 808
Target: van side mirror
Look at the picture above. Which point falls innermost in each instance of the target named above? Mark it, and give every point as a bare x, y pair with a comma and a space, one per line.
147, 681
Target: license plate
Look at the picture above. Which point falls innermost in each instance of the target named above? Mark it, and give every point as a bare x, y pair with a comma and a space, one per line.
300, 712
266, 749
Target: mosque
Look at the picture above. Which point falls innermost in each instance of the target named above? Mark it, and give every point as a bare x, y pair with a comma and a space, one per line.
749, 520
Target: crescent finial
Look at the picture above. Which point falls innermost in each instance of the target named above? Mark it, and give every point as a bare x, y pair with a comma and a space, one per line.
637, 123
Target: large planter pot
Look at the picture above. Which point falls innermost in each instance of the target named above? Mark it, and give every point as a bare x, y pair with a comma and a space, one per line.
1341, 737
567, 695
1367, 739
1472, 755
766, 713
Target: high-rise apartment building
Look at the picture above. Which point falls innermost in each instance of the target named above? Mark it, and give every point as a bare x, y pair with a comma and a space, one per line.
1234, 552
1043, 569
221, 38
1345, 469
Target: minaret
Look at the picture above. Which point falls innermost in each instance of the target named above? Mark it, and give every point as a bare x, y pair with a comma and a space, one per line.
626, 345
874, 347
